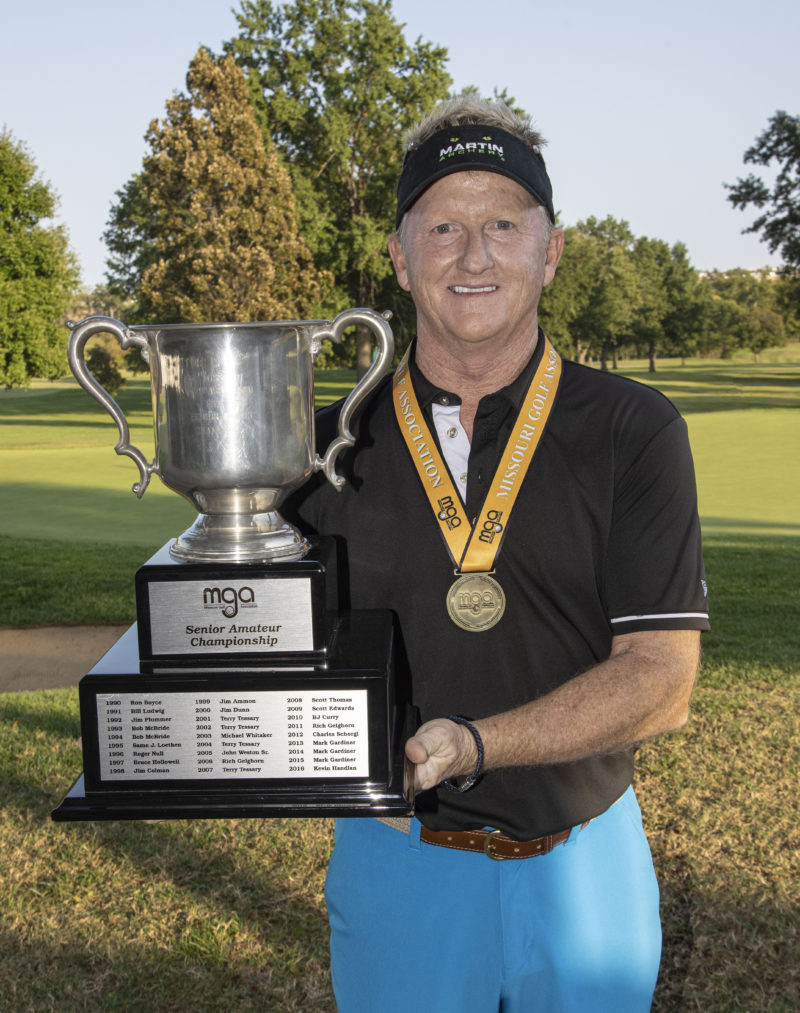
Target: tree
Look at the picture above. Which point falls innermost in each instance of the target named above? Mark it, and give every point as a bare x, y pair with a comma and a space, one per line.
615, 294
565, 305
613, 290
671, 312
102, 361
786, 288
38, 272
335, 84
724, 325
651, 260
208, 229
589, 307
747, 311
102, 301
687, 305
779, 222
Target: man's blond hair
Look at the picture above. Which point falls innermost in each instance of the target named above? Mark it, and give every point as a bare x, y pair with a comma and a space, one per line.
469, 110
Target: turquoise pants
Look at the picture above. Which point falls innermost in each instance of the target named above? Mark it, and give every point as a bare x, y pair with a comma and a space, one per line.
422, 929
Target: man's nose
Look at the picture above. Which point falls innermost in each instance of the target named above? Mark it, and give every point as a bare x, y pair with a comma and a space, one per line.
476, 255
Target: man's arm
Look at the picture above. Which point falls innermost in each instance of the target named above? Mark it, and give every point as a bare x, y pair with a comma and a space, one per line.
641, 690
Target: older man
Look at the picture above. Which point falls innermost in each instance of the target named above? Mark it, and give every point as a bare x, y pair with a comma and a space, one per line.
532, 523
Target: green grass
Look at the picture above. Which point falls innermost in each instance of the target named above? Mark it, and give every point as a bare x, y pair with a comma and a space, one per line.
333, 384
61, 414
720, 808
744, 425
210, 915
62, 480
755, 604
747, 474
45, 582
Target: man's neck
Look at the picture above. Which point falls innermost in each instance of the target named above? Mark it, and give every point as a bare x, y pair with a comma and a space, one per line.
473, 371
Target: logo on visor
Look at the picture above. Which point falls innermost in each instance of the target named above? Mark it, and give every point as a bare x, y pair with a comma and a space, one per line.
483, 147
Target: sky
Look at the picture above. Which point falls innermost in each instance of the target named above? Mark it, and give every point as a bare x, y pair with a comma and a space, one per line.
647, 107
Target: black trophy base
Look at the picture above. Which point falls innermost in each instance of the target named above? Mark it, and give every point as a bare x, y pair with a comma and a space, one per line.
238, 803
224, 614
176, 743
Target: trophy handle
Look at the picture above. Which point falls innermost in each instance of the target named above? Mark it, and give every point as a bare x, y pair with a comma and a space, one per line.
379, 326
81, 332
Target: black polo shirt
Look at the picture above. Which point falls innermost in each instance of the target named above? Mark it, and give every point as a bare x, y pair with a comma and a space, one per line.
603, 539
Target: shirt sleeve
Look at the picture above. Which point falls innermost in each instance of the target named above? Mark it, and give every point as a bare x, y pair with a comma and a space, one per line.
655, 574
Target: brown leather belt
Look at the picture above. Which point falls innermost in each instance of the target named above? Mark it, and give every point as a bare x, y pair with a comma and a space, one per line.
493, 843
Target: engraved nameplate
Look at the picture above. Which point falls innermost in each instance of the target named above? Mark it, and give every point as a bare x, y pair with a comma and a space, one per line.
259, 733
252, 615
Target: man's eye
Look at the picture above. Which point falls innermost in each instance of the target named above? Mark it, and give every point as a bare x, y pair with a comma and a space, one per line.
503, 224
441, 229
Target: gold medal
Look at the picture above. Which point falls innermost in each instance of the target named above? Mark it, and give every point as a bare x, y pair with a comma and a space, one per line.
476, 602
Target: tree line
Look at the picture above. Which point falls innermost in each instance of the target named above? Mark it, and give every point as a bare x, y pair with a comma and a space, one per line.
616, 295
267, 191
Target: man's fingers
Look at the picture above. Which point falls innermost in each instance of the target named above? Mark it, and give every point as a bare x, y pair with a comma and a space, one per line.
435, 752
416, 750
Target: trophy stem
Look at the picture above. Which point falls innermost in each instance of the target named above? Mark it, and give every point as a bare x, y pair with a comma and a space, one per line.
239, 538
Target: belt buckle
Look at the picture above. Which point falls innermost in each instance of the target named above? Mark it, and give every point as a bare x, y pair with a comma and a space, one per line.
488, 846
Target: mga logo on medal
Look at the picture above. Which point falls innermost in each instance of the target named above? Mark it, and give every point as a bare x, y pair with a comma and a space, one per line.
491, 527
476, 602
448, 513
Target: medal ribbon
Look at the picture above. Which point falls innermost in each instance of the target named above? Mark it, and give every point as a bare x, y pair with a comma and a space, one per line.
474, 549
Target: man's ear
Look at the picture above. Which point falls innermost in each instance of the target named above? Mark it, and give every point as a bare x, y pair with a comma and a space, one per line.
399, 261
555, 248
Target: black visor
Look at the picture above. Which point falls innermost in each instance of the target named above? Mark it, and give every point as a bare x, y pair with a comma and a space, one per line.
477, 148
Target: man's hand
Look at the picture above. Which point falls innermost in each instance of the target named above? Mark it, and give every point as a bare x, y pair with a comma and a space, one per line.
640, 691
440, 750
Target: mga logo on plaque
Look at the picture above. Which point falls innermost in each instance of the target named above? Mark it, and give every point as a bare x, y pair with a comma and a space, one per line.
228, 599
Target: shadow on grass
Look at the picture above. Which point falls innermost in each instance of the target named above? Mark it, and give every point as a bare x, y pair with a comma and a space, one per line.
47, 583
702, 403
736, 526
134, 396
715, 379
48, 511
200, 915
84, 422
49, 712
718, 373
703, 389
678, 905
135, 399
73, 977
754, 599
723, 951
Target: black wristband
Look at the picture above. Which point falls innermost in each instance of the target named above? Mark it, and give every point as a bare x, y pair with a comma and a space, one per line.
470, 780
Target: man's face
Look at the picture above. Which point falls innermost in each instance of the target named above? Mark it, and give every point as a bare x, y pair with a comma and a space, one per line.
475, 259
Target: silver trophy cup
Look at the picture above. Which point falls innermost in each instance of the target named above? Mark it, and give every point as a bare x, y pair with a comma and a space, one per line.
233, 411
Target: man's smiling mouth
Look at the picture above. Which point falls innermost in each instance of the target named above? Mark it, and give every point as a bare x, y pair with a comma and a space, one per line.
467, 290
